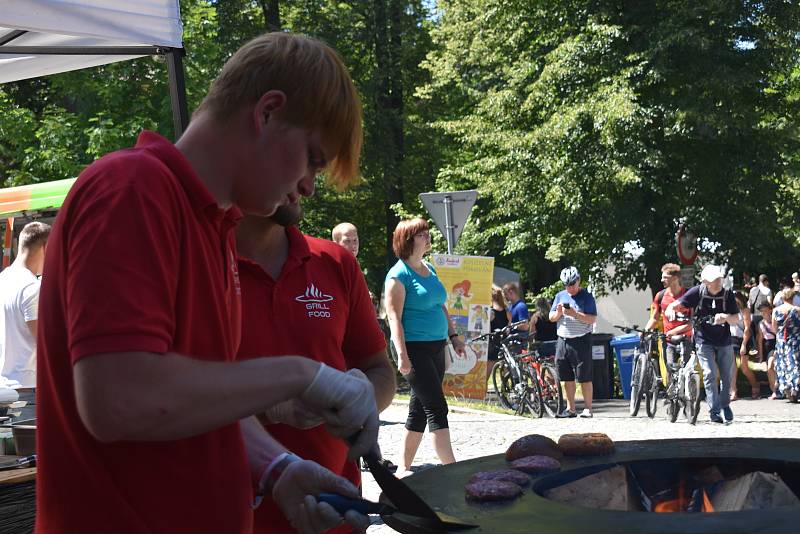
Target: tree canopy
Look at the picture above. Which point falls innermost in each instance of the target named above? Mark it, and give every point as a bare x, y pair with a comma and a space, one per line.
591, 129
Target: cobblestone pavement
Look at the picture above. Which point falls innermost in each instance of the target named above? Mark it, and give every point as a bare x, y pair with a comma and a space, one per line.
478, 433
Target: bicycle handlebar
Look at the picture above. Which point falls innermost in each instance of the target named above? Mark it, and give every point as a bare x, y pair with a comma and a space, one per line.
635, 328
695, 320
506, 331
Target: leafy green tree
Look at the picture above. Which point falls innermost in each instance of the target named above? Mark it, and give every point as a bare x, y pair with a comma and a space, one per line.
52, 127
592, 129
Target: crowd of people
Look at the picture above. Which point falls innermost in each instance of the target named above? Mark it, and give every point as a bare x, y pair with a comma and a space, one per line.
771, 331
755, 326
562, 328
732, 329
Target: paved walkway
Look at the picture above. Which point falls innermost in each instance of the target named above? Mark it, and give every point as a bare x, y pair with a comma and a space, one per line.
477, 433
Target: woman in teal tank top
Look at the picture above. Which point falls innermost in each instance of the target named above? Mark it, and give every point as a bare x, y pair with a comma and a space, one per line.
420, 327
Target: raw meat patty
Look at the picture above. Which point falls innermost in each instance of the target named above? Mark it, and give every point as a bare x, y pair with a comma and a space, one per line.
536, 464
492, 491
506, 475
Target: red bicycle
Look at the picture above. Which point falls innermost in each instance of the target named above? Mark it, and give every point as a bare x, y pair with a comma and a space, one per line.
547, 385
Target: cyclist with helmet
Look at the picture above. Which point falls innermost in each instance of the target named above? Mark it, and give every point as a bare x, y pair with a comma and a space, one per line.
575, 311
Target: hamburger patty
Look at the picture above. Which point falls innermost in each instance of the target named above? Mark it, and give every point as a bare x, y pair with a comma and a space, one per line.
506, 475
491, 491
536, 464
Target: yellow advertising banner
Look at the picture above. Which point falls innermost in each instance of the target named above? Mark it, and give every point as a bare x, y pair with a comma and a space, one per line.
468, 281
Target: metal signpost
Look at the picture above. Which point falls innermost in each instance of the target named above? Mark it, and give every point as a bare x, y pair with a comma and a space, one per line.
449, 211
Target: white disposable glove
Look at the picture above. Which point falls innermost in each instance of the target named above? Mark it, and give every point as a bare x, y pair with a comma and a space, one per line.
347, 403
294, 413
294, 494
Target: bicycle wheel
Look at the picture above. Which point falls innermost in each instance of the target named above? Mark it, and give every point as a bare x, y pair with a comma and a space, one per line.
550, 386
693, 397
636, 378
652, 389
673, 409
503, 384
672, 400
533, 393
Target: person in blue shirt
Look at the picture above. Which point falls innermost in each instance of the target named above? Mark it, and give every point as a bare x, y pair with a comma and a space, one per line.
420, 328
575, 311
519, 310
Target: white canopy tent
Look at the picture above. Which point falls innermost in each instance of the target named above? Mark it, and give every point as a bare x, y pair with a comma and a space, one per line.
42, 37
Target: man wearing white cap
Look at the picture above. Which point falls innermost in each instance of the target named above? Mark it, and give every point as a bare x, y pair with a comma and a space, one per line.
716, 308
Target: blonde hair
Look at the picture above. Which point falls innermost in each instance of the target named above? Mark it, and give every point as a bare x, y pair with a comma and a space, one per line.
788, 294
320, 94
341, 229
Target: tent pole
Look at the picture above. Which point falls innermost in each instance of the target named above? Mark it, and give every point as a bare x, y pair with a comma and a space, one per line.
177, 90
9, 234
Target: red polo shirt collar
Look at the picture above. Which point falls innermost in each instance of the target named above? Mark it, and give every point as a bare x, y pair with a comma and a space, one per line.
299, 253
199, 196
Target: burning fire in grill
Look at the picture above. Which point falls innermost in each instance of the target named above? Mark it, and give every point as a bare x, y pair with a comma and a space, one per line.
676, 487
683, 504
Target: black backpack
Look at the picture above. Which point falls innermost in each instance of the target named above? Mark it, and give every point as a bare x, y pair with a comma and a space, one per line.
705, 296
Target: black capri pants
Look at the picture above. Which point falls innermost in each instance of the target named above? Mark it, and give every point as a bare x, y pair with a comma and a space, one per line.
574, 358
428, 404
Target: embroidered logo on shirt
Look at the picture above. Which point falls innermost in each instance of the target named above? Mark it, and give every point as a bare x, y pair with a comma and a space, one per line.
313, 294
315, 301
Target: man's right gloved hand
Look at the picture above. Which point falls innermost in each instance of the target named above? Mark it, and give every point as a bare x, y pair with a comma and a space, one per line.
294, 494
346, 401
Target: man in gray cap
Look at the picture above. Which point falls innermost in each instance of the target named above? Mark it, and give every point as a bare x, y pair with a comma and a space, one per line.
716, 309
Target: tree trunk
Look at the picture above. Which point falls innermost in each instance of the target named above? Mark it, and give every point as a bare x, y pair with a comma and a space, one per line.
388, 54
272, 14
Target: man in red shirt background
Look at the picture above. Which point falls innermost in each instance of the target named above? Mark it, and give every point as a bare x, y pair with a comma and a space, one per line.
145, 421
670, 278
303, 295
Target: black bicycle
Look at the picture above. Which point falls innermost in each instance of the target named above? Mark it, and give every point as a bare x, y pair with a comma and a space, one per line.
645, 381
515, 387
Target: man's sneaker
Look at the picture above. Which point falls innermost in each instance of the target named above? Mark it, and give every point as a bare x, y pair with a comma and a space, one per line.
728, 414
586, 413
566, 413
715, 418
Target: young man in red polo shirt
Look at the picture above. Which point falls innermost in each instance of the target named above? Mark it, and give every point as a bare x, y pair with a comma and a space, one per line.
139, 397
303, 295
671, 280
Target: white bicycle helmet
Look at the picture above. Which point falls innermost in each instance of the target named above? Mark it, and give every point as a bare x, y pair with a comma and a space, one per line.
570, 275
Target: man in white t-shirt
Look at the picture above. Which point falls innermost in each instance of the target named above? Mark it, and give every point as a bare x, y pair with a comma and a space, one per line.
19, 292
